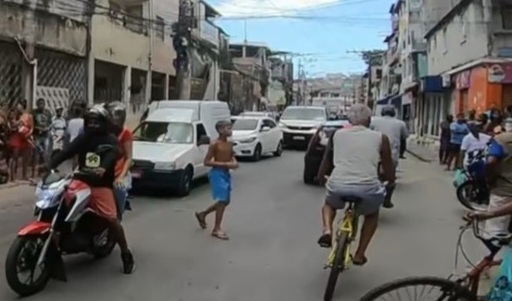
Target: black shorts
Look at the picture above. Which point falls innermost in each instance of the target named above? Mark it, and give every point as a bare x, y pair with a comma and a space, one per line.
454, 148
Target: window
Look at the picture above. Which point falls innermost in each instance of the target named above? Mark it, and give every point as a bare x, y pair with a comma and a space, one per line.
160, 27
164, 132
297, 113
445, 41
506, 15
245, 124
200, 132
269, 123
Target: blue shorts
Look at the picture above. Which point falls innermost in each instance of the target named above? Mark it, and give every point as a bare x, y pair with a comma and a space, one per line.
220, 181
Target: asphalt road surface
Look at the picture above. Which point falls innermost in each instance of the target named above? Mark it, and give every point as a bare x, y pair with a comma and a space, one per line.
273, 222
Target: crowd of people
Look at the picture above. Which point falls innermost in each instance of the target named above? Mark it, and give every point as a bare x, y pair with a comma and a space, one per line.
28, 138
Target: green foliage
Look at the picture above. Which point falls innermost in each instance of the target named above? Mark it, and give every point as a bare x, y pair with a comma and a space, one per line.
373, 57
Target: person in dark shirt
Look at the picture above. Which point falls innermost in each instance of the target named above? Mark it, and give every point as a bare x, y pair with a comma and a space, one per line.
96, 149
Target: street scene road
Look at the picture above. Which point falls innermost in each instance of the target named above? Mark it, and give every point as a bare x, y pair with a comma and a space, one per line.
273, 222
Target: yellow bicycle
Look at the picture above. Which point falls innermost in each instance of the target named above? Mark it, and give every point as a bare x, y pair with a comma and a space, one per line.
340, 256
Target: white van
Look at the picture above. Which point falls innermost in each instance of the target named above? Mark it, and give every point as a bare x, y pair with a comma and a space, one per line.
300, 123
170, 144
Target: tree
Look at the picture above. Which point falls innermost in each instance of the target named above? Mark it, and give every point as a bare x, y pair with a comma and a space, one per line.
373, 57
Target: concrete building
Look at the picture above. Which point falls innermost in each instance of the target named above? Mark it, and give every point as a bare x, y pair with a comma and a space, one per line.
251, 60
335, 91
43, 51
281, 74
469, 59
131, 51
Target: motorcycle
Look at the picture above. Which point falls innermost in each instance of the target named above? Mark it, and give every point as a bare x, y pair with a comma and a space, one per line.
64, 225
472, 193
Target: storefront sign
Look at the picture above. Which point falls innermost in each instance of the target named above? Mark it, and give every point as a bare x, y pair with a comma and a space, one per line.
462, 80
499, 73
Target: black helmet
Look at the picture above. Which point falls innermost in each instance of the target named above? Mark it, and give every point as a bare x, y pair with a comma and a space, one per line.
388, 110
117, 111
97, 119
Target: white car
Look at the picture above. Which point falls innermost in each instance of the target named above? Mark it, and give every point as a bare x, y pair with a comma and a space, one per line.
272, 115
254, 137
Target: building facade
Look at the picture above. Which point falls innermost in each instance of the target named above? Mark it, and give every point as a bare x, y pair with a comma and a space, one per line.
44, 51
470, 48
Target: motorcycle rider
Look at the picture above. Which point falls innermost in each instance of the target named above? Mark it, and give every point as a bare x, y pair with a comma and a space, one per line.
122, 182
397, 132
97, 132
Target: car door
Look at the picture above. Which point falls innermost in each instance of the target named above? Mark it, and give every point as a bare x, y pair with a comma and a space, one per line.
266, 137
200, 154
275, 135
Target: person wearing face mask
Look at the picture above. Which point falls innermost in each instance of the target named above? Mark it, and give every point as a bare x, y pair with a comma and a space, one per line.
494, 127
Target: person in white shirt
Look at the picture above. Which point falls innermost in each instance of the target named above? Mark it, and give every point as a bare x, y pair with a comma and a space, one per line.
473, 142
472, 148
75, 124
58, 131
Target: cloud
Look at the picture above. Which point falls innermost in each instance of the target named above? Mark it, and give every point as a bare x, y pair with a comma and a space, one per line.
252, 8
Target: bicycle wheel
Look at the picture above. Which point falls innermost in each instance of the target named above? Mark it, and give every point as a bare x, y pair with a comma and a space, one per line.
415, 288
467, 195
338, 265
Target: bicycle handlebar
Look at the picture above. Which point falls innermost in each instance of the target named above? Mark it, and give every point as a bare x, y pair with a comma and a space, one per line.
500, 238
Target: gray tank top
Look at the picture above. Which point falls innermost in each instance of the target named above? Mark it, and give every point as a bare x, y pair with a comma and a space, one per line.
356, 156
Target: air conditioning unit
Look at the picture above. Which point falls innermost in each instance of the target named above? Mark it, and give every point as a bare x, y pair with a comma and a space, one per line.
446, 80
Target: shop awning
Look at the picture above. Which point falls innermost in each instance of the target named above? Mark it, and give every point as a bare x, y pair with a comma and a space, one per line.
383, 101
396, 100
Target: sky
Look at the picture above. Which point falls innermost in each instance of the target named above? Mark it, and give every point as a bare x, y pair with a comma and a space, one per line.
325, 35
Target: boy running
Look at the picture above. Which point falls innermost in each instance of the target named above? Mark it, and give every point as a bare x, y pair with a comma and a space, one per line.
221, 159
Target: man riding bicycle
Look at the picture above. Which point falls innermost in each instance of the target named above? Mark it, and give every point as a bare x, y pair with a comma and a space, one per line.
353, 155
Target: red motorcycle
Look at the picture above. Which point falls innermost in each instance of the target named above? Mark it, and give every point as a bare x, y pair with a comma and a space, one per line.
64, 225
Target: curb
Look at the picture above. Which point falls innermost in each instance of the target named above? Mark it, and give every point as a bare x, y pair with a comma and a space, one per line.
419, 157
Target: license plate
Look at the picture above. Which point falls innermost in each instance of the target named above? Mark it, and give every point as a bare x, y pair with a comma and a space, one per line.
299, 138
136, 174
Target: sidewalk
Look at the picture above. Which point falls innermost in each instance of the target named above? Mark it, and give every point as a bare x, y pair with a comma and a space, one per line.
424, 151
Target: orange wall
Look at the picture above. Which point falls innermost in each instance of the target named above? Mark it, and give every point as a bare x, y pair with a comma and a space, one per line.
481, 94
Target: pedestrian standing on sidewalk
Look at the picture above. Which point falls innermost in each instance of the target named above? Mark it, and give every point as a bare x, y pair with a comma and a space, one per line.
221, 158
20, 141
495, 127
75, 124
42, 133
458, 130
444, 139
58, 132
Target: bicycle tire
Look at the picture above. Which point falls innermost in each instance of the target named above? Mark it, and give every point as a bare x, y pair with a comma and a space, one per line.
337, 267
460, 195
460, 293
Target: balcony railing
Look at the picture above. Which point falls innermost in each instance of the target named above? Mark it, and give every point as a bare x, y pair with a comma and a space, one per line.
209, 32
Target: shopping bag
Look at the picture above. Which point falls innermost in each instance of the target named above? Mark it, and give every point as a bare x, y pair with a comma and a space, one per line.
459, 178
502, 289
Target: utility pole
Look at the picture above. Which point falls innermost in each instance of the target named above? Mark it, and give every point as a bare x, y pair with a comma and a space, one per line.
181, 43
29, 66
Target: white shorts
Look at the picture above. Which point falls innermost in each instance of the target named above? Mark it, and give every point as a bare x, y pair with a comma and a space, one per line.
498, 225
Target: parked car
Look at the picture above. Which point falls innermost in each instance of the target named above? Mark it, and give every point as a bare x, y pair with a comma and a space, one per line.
316, 148
272, 115
300, 123
170, 144
254, 137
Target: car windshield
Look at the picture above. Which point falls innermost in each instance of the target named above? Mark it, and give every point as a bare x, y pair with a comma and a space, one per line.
253, 114
245, 125
164, 132
303, 114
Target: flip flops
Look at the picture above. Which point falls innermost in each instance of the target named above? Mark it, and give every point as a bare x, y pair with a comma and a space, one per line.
200, 220
220, 235
325, 241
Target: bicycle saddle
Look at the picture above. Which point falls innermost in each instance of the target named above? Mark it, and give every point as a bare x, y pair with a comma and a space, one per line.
351, 199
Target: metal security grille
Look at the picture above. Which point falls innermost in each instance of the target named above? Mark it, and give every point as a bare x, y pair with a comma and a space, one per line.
10, 73
62, 71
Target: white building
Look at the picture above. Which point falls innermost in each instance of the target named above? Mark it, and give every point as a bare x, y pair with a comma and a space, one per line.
471, 49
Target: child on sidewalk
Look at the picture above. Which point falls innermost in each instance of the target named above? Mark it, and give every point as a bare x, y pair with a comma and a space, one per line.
221, 159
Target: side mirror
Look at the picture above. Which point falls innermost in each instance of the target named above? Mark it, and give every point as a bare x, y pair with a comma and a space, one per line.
203, 140
265, 129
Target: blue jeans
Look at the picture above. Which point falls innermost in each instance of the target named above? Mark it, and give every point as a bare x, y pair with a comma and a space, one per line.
121, 195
